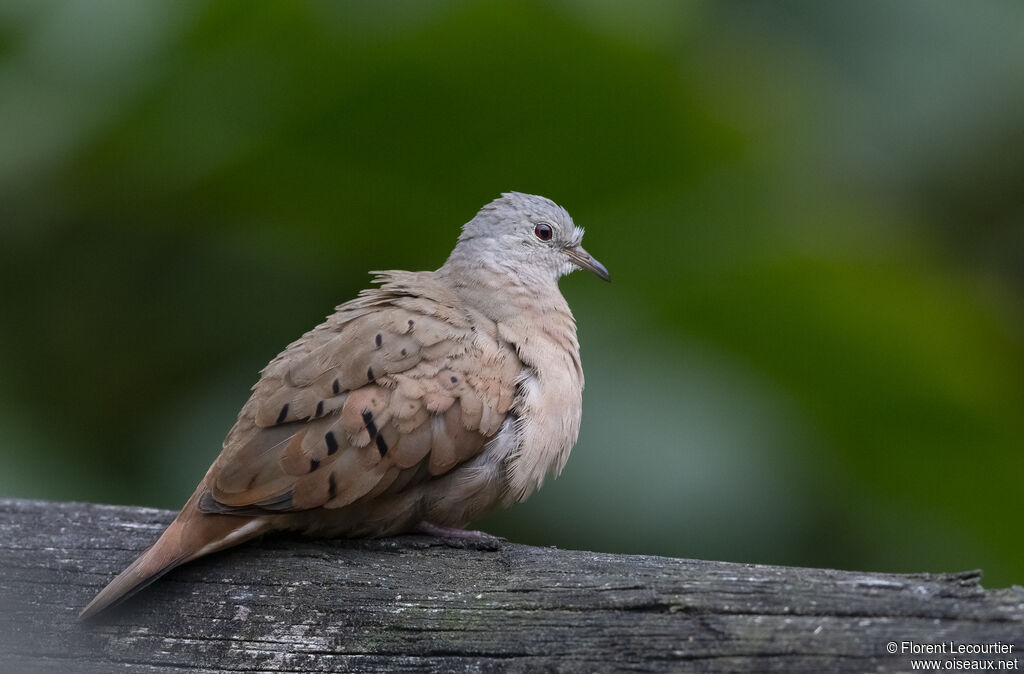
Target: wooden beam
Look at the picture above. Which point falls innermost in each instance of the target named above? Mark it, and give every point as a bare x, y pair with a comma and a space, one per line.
288, 604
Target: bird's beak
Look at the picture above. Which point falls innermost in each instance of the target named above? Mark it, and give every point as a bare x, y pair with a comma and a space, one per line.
582, 259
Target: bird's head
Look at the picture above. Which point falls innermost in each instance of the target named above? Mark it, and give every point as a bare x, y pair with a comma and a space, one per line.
527, 235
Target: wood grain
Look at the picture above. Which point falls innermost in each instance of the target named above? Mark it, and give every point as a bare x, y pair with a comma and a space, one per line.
288, 604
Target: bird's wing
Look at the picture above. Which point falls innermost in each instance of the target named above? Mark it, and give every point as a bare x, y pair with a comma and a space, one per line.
399, 385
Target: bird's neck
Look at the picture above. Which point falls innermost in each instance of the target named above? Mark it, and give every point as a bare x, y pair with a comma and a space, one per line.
502, 291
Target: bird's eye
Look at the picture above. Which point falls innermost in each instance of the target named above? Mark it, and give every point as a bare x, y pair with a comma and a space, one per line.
543, 231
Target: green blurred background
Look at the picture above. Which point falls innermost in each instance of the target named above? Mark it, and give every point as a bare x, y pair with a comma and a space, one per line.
813, 350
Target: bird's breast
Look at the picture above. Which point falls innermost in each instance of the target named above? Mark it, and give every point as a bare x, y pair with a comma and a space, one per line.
549, 405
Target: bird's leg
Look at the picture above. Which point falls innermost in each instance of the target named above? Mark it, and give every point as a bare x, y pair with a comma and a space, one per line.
432, 529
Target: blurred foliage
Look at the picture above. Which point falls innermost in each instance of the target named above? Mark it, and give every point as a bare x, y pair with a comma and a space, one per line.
813, 351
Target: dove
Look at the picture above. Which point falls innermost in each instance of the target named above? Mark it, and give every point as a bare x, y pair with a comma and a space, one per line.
418, 406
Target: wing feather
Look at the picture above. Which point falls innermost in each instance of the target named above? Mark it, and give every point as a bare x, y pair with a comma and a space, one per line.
389, 391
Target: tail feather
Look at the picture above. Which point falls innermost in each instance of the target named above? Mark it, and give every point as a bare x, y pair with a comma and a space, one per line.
192, 534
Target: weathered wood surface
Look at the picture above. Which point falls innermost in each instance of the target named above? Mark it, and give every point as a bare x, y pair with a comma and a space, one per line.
287, 604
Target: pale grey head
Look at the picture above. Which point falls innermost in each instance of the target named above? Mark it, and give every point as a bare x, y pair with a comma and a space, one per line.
526, 235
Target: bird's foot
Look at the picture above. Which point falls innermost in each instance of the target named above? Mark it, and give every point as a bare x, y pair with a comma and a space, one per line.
467, 538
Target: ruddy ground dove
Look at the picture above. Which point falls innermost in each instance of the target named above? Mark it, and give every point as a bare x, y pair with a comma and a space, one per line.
419, 405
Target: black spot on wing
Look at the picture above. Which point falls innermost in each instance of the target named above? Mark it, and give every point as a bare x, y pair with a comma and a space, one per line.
336, 387
283, 415
382, 446
332, 442
319, 409
377, 340
313, 465
332, 487
371, 427
369, 374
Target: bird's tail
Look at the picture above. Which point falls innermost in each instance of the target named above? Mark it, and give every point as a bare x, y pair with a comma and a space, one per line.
192, 534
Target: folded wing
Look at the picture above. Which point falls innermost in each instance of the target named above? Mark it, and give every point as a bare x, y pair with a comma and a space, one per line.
390, 391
